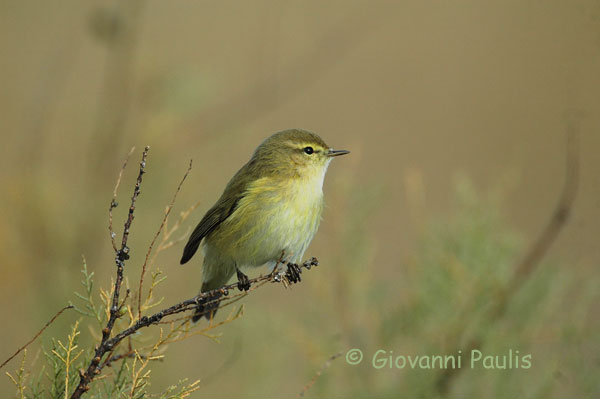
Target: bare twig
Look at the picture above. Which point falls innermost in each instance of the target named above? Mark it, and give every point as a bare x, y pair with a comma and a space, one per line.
324, 367
136, 192
36, 335
121, 256
192, 303
162, 225
558, 219
114, 203
184, 306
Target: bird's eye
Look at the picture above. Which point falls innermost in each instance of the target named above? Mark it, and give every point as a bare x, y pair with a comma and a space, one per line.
308, 150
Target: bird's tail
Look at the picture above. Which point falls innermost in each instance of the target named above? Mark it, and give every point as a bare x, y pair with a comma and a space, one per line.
207, 307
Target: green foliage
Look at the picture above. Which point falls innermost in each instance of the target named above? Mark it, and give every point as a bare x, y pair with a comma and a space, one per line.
445, 300
127, 377
62, 358
90, 309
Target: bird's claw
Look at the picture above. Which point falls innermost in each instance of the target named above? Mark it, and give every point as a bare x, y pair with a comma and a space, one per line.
293, 273
243, 282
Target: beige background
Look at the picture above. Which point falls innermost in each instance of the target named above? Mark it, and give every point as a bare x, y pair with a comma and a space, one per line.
420, 92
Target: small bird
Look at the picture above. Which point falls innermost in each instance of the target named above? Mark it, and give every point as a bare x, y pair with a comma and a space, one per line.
270, 210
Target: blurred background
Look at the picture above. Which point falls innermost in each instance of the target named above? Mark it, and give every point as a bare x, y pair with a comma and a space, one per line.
456, 115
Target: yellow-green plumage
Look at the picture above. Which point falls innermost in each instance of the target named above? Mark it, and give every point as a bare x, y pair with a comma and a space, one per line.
272, 206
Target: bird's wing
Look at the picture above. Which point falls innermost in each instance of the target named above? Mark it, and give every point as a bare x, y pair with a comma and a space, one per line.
224, 207
216, 215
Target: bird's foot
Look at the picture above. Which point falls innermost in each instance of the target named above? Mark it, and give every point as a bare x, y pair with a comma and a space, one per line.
207, 307
243, 282
293, 273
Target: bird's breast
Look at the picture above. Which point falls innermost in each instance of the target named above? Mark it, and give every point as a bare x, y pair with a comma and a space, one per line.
274, 215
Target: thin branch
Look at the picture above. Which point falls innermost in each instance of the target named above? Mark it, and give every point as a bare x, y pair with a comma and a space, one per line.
121, 256
162, 225
324, 367
136, 192
114, 203
184, 306
192, 303
558, 219
36, 335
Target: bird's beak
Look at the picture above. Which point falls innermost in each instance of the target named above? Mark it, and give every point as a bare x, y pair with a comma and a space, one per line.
335, 153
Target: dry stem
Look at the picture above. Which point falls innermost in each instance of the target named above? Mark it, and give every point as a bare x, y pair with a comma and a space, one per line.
162, 225
36, 335
121, 256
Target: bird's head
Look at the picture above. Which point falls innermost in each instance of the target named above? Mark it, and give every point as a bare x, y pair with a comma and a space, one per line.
296, 152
